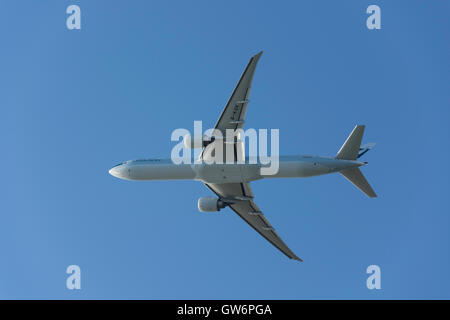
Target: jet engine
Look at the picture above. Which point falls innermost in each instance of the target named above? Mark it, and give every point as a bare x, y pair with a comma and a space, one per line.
210, 204
192, 143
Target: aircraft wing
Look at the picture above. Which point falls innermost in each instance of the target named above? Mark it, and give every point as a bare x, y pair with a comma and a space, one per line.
233, 114
240, 199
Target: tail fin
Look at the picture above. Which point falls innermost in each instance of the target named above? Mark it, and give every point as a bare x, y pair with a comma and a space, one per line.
350, 148
355, 176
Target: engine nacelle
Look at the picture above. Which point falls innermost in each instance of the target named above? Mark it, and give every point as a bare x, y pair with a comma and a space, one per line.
192, 143
210, 204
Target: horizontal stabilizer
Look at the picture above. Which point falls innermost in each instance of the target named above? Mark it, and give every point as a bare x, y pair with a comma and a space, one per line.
363, 149
355, 176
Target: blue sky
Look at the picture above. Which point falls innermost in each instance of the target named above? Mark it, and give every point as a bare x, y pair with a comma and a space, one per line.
74, 103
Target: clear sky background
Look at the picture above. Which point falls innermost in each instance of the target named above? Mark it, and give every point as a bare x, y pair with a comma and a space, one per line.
75, 103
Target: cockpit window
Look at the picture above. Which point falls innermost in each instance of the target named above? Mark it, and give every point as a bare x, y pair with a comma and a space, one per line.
138, 160
125, 162
119, 164
142, 160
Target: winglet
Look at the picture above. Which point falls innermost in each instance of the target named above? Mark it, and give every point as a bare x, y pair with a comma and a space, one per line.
256, 56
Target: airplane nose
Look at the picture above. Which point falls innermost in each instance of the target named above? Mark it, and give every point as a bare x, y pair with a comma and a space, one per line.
116, 171
113, 172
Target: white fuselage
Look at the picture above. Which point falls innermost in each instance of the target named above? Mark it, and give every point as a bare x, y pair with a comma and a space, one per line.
288, 167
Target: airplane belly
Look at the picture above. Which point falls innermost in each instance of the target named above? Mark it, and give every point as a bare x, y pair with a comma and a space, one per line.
220, 173
299, 169
309, 169
167, 171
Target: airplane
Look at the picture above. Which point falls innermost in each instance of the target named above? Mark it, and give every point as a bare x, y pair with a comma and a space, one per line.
231, 182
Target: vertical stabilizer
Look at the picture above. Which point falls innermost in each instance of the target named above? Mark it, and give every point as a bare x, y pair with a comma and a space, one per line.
350, 148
